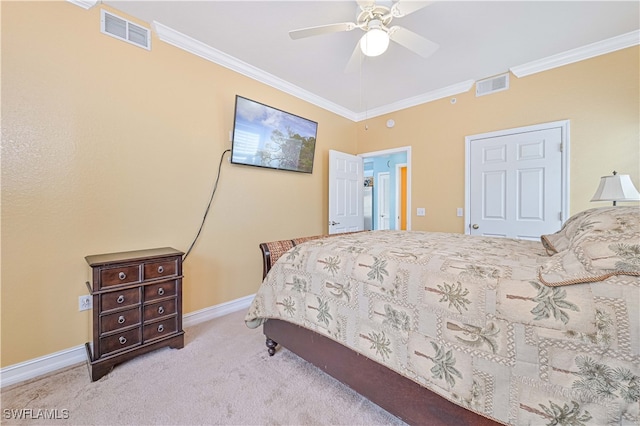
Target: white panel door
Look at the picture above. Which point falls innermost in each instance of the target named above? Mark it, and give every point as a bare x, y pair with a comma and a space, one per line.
515, 184
384, 202
346, 187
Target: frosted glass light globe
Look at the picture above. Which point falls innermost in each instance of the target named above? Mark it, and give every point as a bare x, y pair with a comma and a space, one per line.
374, 42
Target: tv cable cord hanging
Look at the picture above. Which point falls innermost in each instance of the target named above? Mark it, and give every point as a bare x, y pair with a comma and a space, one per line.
206, 212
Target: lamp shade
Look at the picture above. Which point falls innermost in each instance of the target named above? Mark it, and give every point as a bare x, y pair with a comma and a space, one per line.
616, 188
375, 41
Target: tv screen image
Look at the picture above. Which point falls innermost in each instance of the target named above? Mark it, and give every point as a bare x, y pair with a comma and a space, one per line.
264, 136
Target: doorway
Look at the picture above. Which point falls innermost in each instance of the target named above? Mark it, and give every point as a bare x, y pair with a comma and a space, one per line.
389, 169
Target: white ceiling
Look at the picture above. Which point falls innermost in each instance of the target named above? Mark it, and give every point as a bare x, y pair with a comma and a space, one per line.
478, 39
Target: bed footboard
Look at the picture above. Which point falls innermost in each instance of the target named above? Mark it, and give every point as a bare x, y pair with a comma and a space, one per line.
395, 393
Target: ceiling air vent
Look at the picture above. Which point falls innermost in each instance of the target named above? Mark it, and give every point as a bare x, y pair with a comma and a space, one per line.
492, 85
125, 30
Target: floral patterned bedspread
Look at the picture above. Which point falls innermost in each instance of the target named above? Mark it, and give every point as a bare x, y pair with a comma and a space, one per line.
467, 317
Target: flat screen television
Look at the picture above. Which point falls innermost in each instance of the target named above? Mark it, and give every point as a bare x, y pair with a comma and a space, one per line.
264, 136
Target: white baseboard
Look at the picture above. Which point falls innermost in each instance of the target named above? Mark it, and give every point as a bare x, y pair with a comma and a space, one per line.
206, 314
46, 364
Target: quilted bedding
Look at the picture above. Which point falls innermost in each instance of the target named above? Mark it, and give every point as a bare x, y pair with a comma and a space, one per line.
471, 319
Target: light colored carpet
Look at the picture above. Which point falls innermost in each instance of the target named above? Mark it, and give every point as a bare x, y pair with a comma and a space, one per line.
223, 375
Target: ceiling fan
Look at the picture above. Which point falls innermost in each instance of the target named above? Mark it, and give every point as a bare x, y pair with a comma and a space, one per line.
374, 20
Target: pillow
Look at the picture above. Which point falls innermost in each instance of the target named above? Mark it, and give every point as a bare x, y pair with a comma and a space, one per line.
597, 220
604, 244
592, 260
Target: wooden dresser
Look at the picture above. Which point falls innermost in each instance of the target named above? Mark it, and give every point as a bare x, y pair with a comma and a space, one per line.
137, 305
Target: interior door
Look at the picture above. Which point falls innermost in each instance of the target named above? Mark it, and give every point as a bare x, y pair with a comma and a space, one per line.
346, 185
384, 202
515, 184
401, 198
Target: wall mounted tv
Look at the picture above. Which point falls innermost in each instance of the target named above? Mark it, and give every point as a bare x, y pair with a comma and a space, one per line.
268, 137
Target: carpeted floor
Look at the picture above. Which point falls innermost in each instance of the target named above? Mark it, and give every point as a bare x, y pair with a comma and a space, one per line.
223, 375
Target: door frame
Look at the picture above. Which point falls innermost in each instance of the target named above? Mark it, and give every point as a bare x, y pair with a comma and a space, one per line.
407, 150
563, 125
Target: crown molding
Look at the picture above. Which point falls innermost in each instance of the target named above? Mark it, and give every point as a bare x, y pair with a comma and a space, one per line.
444, 92
182, 41
85, 4
579, 54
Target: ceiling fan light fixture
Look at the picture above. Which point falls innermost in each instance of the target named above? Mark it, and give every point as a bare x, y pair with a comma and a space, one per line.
374, 42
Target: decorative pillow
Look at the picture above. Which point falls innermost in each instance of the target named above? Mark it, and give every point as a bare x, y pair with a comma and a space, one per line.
605, 243
596, 220
591, 261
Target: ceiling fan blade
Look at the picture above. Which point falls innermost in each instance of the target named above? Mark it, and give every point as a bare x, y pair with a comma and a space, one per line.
364, 4
412, 41
355, 60
322, 29
404, 8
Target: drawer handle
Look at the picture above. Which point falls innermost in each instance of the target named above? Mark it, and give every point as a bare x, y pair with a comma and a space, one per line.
160, 269
122, 340
161, 291
160, 328
161, 310
122, 275
120, 298
121, 319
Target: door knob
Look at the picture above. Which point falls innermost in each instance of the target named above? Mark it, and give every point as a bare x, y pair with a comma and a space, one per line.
475, 226
333, 223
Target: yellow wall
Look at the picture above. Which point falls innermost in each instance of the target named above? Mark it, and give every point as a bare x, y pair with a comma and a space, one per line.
599, 96
108, 147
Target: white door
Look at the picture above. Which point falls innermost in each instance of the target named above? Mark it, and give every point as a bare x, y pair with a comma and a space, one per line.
515, 183
384, 203
346, 185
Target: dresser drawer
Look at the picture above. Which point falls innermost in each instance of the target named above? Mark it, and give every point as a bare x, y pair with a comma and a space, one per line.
160, 309
120, 275
163, 269
120, 341
120, 320
160, 290
159, 329
119, 299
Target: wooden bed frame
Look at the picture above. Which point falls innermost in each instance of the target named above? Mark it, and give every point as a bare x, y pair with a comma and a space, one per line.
397, 394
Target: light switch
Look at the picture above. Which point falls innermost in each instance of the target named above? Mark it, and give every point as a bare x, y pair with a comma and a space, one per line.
420, 211
459, 212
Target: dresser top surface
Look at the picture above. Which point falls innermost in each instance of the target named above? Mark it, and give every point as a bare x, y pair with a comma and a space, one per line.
131, 256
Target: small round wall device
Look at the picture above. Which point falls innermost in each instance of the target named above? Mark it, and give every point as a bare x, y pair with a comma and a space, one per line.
390, 123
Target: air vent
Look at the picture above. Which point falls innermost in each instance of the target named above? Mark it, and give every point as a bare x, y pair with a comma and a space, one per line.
125, 30
492, 85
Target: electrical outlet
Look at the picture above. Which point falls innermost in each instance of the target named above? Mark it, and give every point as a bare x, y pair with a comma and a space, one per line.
85, 303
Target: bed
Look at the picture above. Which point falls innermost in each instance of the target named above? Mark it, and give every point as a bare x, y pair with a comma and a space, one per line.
456, 329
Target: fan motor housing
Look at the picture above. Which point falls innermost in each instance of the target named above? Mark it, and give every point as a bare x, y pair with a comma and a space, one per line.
376, 12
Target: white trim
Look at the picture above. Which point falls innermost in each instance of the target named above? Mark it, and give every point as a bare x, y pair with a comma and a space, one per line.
424, 98
564, 126
579, 54
46, 364
85, 4
184, 42
206, 314
38, 366
406, 149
